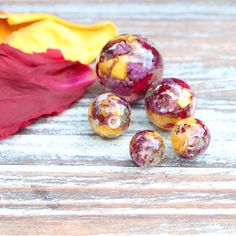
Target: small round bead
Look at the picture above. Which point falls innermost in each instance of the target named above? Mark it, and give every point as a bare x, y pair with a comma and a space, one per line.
109, 115
169, 101
147, 148
190, 137
128, 64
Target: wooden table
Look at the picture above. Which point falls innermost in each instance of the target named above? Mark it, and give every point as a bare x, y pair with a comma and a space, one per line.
58, 178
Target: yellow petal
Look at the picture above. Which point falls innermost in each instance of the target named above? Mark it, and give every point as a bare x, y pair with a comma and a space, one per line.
184, 98
105, 66
38, 32
119, 70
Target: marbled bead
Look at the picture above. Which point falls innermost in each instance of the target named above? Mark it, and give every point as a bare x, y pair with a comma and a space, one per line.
147, 148
109, 115
190, 137
168, 101
128, 64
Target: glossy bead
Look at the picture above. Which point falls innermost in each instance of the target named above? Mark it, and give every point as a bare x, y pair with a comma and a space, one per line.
109, 115
190, 137
128, 64
169, 101
147, 148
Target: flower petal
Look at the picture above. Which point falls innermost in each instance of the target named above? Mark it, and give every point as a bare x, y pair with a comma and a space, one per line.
38, 84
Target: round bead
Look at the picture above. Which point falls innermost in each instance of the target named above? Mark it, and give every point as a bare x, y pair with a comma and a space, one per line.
109, 115
168, 101
190, 137
128, 64
147, 148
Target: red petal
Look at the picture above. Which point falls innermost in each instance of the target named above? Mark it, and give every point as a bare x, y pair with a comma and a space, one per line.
34, 85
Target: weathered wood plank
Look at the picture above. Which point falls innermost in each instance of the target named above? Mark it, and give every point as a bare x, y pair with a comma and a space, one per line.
129, 10
104, 199
120, 225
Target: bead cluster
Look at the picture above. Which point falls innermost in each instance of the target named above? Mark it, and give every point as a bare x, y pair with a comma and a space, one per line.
130, 68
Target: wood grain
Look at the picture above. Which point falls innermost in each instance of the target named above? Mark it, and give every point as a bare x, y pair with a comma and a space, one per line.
58, 178
122, 197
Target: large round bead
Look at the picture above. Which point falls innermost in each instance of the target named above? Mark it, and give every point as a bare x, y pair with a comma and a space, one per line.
128, 64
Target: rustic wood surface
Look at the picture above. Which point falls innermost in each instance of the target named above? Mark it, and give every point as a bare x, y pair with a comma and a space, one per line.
58, 178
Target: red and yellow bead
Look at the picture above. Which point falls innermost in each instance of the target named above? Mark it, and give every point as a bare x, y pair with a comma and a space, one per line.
190, 137
128, 64
147, 148
109, 115
169, 101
